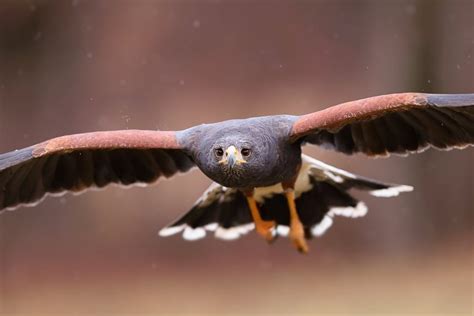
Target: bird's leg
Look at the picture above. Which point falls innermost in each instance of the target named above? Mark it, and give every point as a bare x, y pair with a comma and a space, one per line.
264, 228
296, 227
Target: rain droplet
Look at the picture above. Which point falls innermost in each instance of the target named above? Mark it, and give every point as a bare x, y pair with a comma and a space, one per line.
196, 24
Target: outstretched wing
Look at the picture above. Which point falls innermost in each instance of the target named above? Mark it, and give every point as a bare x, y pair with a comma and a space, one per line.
77, 162
395, 123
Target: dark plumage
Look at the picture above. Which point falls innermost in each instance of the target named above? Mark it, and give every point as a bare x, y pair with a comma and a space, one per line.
224, 210
261, 179
272, 160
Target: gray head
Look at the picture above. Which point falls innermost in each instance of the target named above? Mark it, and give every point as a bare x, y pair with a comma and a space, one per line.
234, 158
244, 153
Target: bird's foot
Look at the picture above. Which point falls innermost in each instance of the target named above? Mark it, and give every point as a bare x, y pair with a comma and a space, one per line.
266, 229
297, 237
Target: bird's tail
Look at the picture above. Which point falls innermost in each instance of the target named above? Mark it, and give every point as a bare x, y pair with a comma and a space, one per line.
321, 194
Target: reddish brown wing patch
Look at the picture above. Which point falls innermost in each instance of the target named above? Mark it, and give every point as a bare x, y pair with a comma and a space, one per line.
137, 139
333, 118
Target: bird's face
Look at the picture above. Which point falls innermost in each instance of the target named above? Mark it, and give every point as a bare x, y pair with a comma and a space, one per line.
232, 156
234, 161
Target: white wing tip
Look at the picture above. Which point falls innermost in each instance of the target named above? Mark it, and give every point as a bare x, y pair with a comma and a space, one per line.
211, 227
170, 230
233, 233
192, 234
282, 230
392, 191
351, 211
322, 227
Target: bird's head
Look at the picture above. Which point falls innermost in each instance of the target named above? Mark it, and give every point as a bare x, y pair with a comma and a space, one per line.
245, 153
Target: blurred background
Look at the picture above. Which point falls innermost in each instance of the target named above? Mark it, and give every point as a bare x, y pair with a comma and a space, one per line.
77, 66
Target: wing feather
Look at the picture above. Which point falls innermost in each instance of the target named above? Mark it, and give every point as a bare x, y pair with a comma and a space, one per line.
77, 162
397, 123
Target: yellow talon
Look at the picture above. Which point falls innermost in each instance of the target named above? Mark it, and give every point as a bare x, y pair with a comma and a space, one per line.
296, 227
264, 228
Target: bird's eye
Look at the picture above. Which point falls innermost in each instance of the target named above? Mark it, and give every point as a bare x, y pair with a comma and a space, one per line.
245, 152
219, 152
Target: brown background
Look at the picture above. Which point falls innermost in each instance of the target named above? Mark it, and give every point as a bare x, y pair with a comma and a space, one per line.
76, 66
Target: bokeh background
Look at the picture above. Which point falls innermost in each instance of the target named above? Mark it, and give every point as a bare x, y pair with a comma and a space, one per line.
76, 66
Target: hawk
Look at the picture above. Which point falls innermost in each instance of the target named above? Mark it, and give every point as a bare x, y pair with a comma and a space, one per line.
261, 180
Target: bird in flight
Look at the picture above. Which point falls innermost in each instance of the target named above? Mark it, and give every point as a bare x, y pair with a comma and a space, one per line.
261, 180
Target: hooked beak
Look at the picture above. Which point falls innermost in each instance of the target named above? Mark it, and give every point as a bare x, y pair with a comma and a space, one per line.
232, 157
